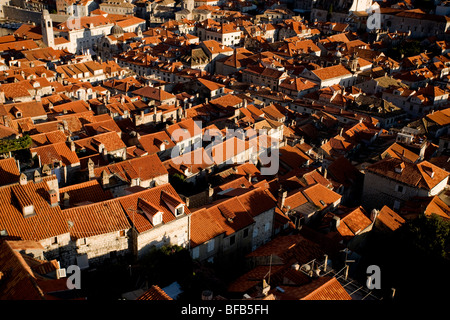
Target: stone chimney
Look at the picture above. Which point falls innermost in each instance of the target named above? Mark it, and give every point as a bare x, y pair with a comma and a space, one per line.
91, 169
66, 200
374, 214
335, 222
37, 176
53, 197
23, 179
282, 194
105, 178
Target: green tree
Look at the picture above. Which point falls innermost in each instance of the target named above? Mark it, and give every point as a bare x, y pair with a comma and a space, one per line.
8, 145
167, 264
413, 259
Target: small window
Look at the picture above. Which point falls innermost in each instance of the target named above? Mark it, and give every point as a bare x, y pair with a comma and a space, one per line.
195, 253
55, 240
179, 211
210, 245
400, 189
122, 233
245, 233
232, 240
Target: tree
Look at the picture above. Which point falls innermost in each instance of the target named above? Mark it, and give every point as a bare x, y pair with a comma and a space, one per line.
8, 145
412, 259
167, 264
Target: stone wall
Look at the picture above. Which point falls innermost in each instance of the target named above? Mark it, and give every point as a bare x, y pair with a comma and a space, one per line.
174, 233
22, 15
379, 191
98, 248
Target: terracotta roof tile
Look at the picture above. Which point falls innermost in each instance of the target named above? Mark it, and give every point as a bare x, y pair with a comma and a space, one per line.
154, 293
137, 217
353, 223
96, 219
9, 172
322, 288
390, 218
89, 191
422, 175
46, 223
145, 167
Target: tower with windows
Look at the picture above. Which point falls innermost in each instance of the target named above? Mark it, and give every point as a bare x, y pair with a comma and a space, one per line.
47, 29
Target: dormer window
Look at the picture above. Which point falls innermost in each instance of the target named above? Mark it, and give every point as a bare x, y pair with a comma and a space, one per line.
179, 211
157, 219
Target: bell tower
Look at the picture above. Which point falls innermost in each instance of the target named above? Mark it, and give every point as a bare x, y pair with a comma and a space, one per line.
47, 29
189, 5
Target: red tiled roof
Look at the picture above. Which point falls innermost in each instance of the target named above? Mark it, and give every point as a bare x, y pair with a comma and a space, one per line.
145, 167
89, 191
137, 217
96, 219
22, 276
390, 218
46, 223
154, 293
423, 175
56, 152
9, 172
353, 223
110, 140
322, 288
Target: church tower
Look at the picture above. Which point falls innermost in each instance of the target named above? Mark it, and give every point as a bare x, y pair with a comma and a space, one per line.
189, 5
47, 29
353, 63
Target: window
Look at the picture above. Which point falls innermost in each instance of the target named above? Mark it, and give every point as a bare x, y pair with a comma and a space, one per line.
210, 245
157, 219
83, 241
232, 240
179, 211
195, 253
122, 233
55, 240
400, 189
245, 233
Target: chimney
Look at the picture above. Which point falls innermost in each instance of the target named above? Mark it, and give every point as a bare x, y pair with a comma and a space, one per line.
37, 176
53, 197
335, 222
23, 179
105, 178
46, 170
374, 214
210, 192
282, 194
265, 288
91, 169
66, 200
